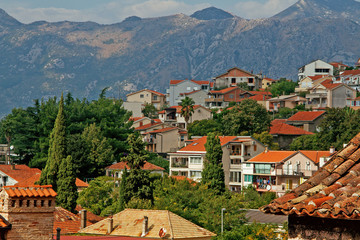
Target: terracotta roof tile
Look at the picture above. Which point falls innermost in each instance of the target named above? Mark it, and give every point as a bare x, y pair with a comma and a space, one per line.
67, 221
91, 217
129, 223
152, 91
162, 130
30, 181
329, 84
19, 172
199, 144
199, 82
223, 91
338, 194
286, 129
29, 191
272, 156
146, 126
147, 166
306, 116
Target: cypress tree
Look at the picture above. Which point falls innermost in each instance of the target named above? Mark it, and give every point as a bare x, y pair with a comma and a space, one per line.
67, 190
213, 173
57, 149
122, 201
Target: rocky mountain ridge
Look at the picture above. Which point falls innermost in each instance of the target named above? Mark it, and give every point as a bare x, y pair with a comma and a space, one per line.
42, 59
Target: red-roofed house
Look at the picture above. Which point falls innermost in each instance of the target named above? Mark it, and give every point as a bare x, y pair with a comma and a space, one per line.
288, 101
198, 96
117, 169
330, 94
309, 82
308, 121
338, 66
68, 222
266, 82
280, 171
189, 160
235, 76
350, 78
315, 68
172, 115
178, 87
168, 139
222, 98
148, 96
284, 134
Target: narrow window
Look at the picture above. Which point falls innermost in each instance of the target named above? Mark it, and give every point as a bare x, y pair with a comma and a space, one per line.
49, 203
28, 203
35, 203
13, 203
42, 203
20, 203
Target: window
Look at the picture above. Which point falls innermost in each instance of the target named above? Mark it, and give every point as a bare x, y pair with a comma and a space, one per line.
28, 203
42, 202
195, 88
141, 95
20, 203
248, 178
188, 88
35, 203
195, 174
322, 70
195, 160
235, 161
12, 203
182, 138
248, 165
308, 166
155, 97
233, 80
251, 80
262, 168
255, 148
204, 87
235, 177
49, 203
231, 96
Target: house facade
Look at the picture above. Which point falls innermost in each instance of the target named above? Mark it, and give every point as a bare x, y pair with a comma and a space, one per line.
281, 171
288, 101
178, 87
147, 96
165, 140
172, 115
309, 82
350, 78
222, 98
331, 95
315, 68
235, 76
307, 120
197, 96
189, 161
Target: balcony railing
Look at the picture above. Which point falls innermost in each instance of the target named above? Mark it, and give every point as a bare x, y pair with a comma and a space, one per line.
180, 163
150, 140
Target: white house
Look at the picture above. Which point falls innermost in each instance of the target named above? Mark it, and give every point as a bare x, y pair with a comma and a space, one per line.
315, 68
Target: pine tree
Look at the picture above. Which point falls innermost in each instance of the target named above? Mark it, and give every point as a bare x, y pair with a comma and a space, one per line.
57, 149
67, 190
122, 189
213, 173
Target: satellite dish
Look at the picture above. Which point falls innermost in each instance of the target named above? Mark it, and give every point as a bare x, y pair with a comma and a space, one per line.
162, 232
268, 187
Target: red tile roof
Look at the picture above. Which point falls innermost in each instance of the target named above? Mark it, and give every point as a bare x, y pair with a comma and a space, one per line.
306, 116
162, 130
20, 172
314, 78
272, 156
189, 93
278, 121
36, 177
199, 144
337, 64
134, 119
32, 191
199, 82
259, 97
223, 91
152, 91
93, 218
315, 155
67, 221
285, 129
260, 93
329, 84
178, 108
4, 223
332, 192
237, 72
146, 126
123, 165
350, 73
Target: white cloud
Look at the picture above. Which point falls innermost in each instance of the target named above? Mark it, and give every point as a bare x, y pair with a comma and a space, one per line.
107, 13
255, 9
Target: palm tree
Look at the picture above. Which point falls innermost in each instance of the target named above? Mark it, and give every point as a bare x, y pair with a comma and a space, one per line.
187, 108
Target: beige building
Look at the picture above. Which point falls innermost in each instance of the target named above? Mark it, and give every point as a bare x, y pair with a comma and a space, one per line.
149, 224
189, 161
27, 212
331, 95
309, 82
281, 171
235, 76
148, 96
165, 140
289, 101
172, 115
266, 82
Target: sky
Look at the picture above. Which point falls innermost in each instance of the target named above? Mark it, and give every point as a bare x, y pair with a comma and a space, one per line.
113, 11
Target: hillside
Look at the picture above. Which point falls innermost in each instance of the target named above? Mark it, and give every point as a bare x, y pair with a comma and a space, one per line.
43, 59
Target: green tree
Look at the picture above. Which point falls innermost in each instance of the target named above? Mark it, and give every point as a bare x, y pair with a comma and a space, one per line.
57, 150
267, 139
204, 127
244, 86
213, 174
67, 190
150, 111
282, 87
187, 108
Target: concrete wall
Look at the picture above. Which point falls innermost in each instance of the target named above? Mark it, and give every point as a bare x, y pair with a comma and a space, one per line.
198, 97
322, 228
183, 87
309, 69
340, 95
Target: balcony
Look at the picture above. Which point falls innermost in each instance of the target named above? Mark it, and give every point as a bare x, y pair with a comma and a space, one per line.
294, 172
214, 99
179, 162
150, 140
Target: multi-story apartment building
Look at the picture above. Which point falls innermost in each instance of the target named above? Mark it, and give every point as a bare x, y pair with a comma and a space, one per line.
189, 160
315, 68
280, 171
179, 87
235, 76
351, 78
147, 96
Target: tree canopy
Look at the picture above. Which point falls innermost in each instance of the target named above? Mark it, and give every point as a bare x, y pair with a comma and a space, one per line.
282, 87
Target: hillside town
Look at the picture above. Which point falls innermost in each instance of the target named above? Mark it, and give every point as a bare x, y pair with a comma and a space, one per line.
195, 161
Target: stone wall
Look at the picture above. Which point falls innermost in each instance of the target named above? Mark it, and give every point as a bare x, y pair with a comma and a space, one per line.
322, 228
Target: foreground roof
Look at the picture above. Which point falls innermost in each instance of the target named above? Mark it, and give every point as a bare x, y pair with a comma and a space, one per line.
281, 128
130, 221
32, 191
123, 165
19, 172
279, 156
67, 221
306, 116
332, 192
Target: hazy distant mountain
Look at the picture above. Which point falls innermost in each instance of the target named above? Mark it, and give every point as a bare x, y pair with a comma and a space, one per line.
43, 59
322, 8
211, 13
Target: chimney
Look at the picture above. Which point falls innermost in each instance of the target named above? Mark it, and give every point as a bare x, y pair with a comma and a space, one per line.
266, 149
83, 219
12, 166
110, 225
332, 149
145, 226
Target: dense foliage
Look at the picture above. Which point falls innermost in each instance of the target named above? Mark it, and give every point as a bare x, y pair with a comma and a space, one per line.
283, 87
338, 127
187, 108
246, 117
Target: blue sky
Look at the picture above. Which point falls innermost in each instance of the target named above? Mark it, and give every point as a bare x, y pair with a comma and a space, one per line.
112, 11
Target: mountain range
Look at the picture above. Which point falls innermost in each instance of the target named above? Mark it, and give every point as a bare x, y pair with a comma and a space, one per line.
42, 59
